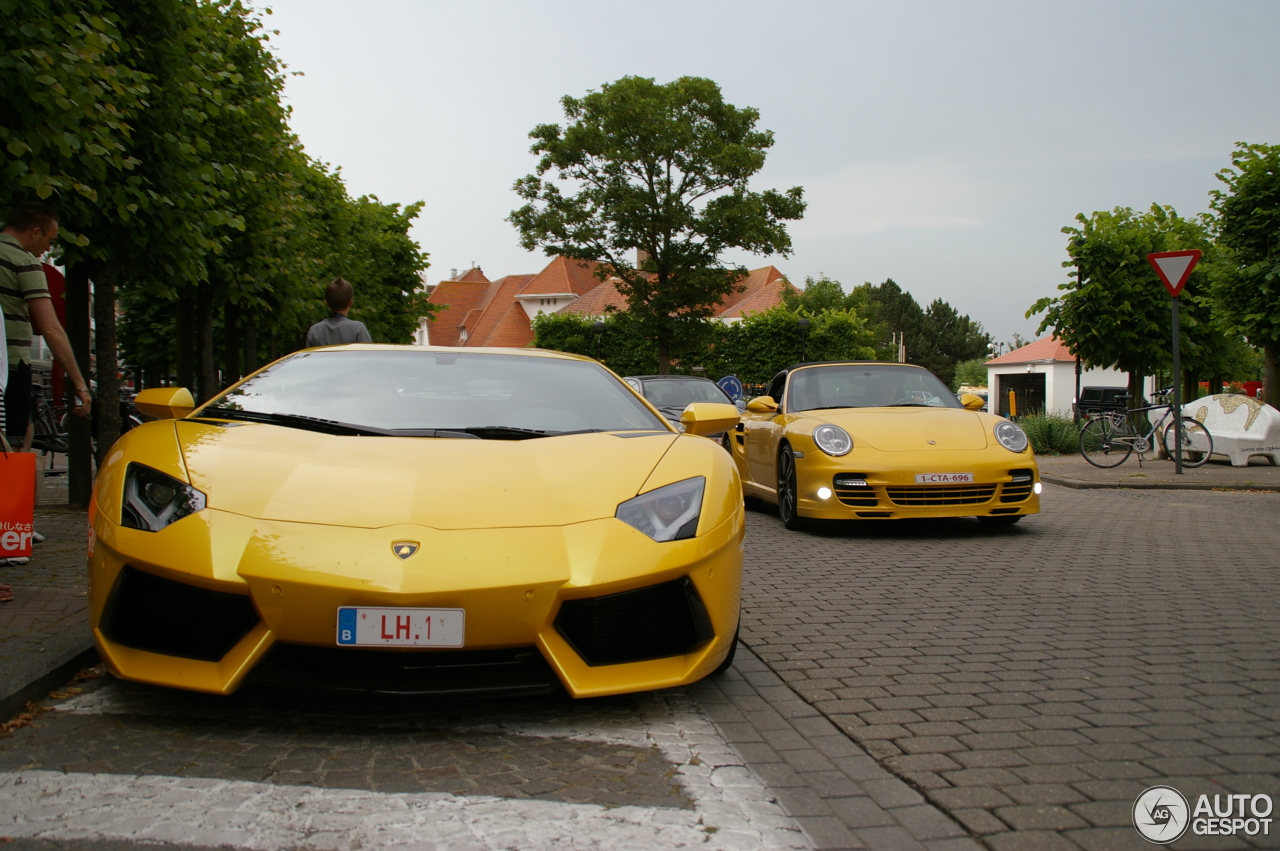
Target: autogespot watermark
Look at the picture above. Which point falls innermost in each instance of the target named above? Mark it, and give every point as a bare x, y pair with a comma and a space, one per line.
1162, 814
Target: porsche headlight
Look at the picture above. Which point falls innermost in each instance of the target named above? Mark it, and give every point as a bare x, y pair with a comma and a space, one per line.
832, 440
1011, 436
668, 513
153, 500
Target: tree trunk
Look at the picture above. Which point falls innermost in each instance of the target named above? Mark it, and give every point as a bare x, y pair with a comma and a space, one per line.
184, 340
250, 345
206, 378
231, 343
1270, 379
1135, 390
664, 355
107, 402
79, 429
1190, 386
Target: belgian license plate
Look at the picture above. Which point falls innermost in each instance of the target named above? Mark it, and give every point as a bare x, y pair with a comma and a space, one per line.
400, 627
944, 478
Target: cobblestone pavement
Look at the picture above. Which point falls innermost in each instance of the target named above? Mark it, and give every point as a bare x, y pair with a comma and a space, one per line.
266, 769
1033, 681
44, 628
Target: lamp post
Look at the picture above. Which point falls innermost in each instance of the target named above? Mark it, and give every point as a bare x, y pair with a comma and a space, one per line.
803, 324
598, 327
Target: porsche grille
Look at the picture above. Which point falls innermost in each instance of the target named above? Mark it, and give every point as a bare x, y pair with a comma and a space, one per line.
941, 495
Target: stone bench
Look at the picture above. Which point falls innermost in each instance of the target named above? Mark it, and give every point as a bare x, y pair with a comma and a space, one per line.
1242, 427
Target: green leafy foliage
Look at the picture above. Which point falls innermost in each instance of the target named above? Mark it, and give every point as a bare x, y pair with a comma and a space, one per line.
754, 349
1051, 434
971, 372
1119, 314
662, 169
1248, 223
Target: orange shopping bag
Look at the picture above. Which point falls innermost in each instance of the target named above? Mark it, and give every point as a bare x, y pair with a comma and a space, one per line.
17, 502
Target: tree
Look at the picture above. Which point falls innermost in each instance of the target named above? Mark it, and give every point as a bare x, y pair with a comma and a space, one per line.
1118, 315
663, 170
1248, 223
971, 372
819, 294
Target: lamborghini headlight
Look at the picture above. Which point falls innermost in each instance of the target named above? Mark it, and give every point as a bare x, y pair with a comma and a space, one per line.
1011, 436
668, 513
832, 440
153, 500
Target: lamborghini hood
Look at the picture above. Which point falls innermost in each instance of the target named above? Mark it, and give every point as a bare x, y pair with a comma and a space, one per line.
277, 473
912, 429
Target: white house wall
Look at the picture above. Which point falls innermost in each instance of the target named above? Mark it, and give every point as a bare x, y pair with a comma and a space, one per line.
1059, 382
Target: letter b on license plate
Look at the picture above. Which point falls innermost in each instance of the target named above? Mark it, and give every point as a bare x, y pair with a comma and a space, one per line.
400, 627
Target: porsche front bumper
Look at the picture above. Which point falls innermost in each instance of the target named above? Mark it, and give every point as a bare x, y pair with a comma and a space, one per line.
291, 578
1003, 483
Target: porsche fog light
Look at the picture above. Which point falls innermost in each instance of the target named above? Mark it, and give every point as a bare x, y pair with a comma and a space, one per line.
153, 500
1038, 488
669, 513
832, 440
1011, 436
824, 493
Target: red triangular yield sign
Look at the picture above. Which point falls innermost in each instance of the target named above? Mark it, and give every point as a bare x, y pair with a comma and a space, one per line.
1174, 267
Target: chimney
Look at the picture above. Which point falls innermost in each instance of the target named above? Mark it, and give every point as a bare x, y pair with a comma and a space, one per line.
453, 274
641, 256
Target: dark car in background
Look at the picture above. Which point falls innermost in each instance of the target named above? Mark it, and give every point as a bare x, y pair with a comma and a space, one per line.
671, 394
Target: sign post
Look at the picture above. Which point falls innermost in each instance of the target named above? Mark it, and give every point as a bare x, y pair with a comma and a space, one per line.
1174, 267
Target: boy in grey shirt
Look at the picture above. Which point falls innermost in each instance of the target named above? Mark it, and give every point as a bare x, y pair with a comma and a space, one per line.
338, 330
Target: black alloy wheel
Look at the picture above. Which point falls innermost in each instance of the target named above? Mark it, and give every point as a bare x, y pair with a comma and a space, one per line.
787, 491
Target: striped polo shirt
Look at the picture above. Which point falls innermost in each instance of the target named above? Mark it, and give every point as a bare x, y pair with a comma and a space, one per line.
21, 280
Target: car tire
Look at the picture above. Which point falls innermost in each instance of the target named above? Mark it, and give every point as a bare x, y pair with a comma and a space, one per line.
1000, 521
788, 493
728, 660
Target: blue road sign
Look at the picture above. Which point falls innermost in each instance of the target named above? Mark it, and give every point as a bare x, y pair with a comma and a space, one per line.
731, 386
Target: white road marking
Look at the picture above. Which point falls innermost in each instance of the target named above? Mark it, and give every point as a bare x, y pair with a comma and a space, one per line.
732, 808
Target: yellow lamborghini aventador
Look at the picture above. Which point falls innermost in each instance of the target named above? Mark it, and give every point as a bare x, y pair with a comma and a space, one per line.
843, 441
410, 519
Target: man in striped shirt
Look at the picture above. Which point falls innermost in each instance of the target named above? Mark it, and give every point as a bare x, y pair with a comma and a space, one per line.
29, 231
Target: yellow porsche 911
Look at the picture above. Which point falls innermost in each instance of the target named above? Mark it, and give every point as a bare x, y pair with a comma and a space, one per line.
844, 441
406, 519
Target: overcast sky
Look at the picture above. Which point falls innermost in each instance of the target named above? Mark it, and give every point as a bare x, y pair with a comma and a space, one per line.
943, 144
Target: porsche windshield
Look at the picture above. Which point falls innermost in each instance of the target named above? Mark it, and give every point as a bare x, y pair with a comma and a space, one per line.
866, 386
491, 395
677, 393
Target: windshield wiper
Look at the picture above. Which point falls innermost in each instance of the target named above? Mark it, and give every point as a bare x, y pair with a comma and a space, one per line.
327, 426
910, 405
830, 407
495, 432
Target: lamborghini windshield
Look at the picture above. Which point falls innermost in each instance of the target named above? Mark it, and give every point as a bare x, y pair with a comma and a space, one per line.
422, 391
866, 385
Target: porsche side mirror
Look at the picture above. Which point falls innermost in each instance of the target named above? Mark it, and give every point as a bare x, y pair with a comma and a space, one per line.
165, 403
762, 405
972, 401
706, 418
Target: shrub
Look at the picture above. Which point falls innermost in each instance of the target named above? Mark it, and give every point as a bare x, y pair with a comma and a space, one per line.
1051, 434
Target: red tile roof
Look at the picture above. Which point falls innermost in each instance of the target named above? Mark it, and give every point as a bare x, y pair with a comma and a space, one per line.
599, 300
563, 275
1044, 349
492, 316
460, 297
500, 302
766, 297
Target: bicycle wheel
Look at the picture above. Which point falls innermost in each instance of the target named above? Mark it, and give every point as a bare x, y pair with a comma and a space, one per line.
1106, 442
1197, 443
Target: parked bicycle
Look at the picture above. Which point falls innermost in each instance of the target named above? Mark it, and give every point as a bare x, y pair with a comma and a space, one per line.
1108, 439
49, 435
